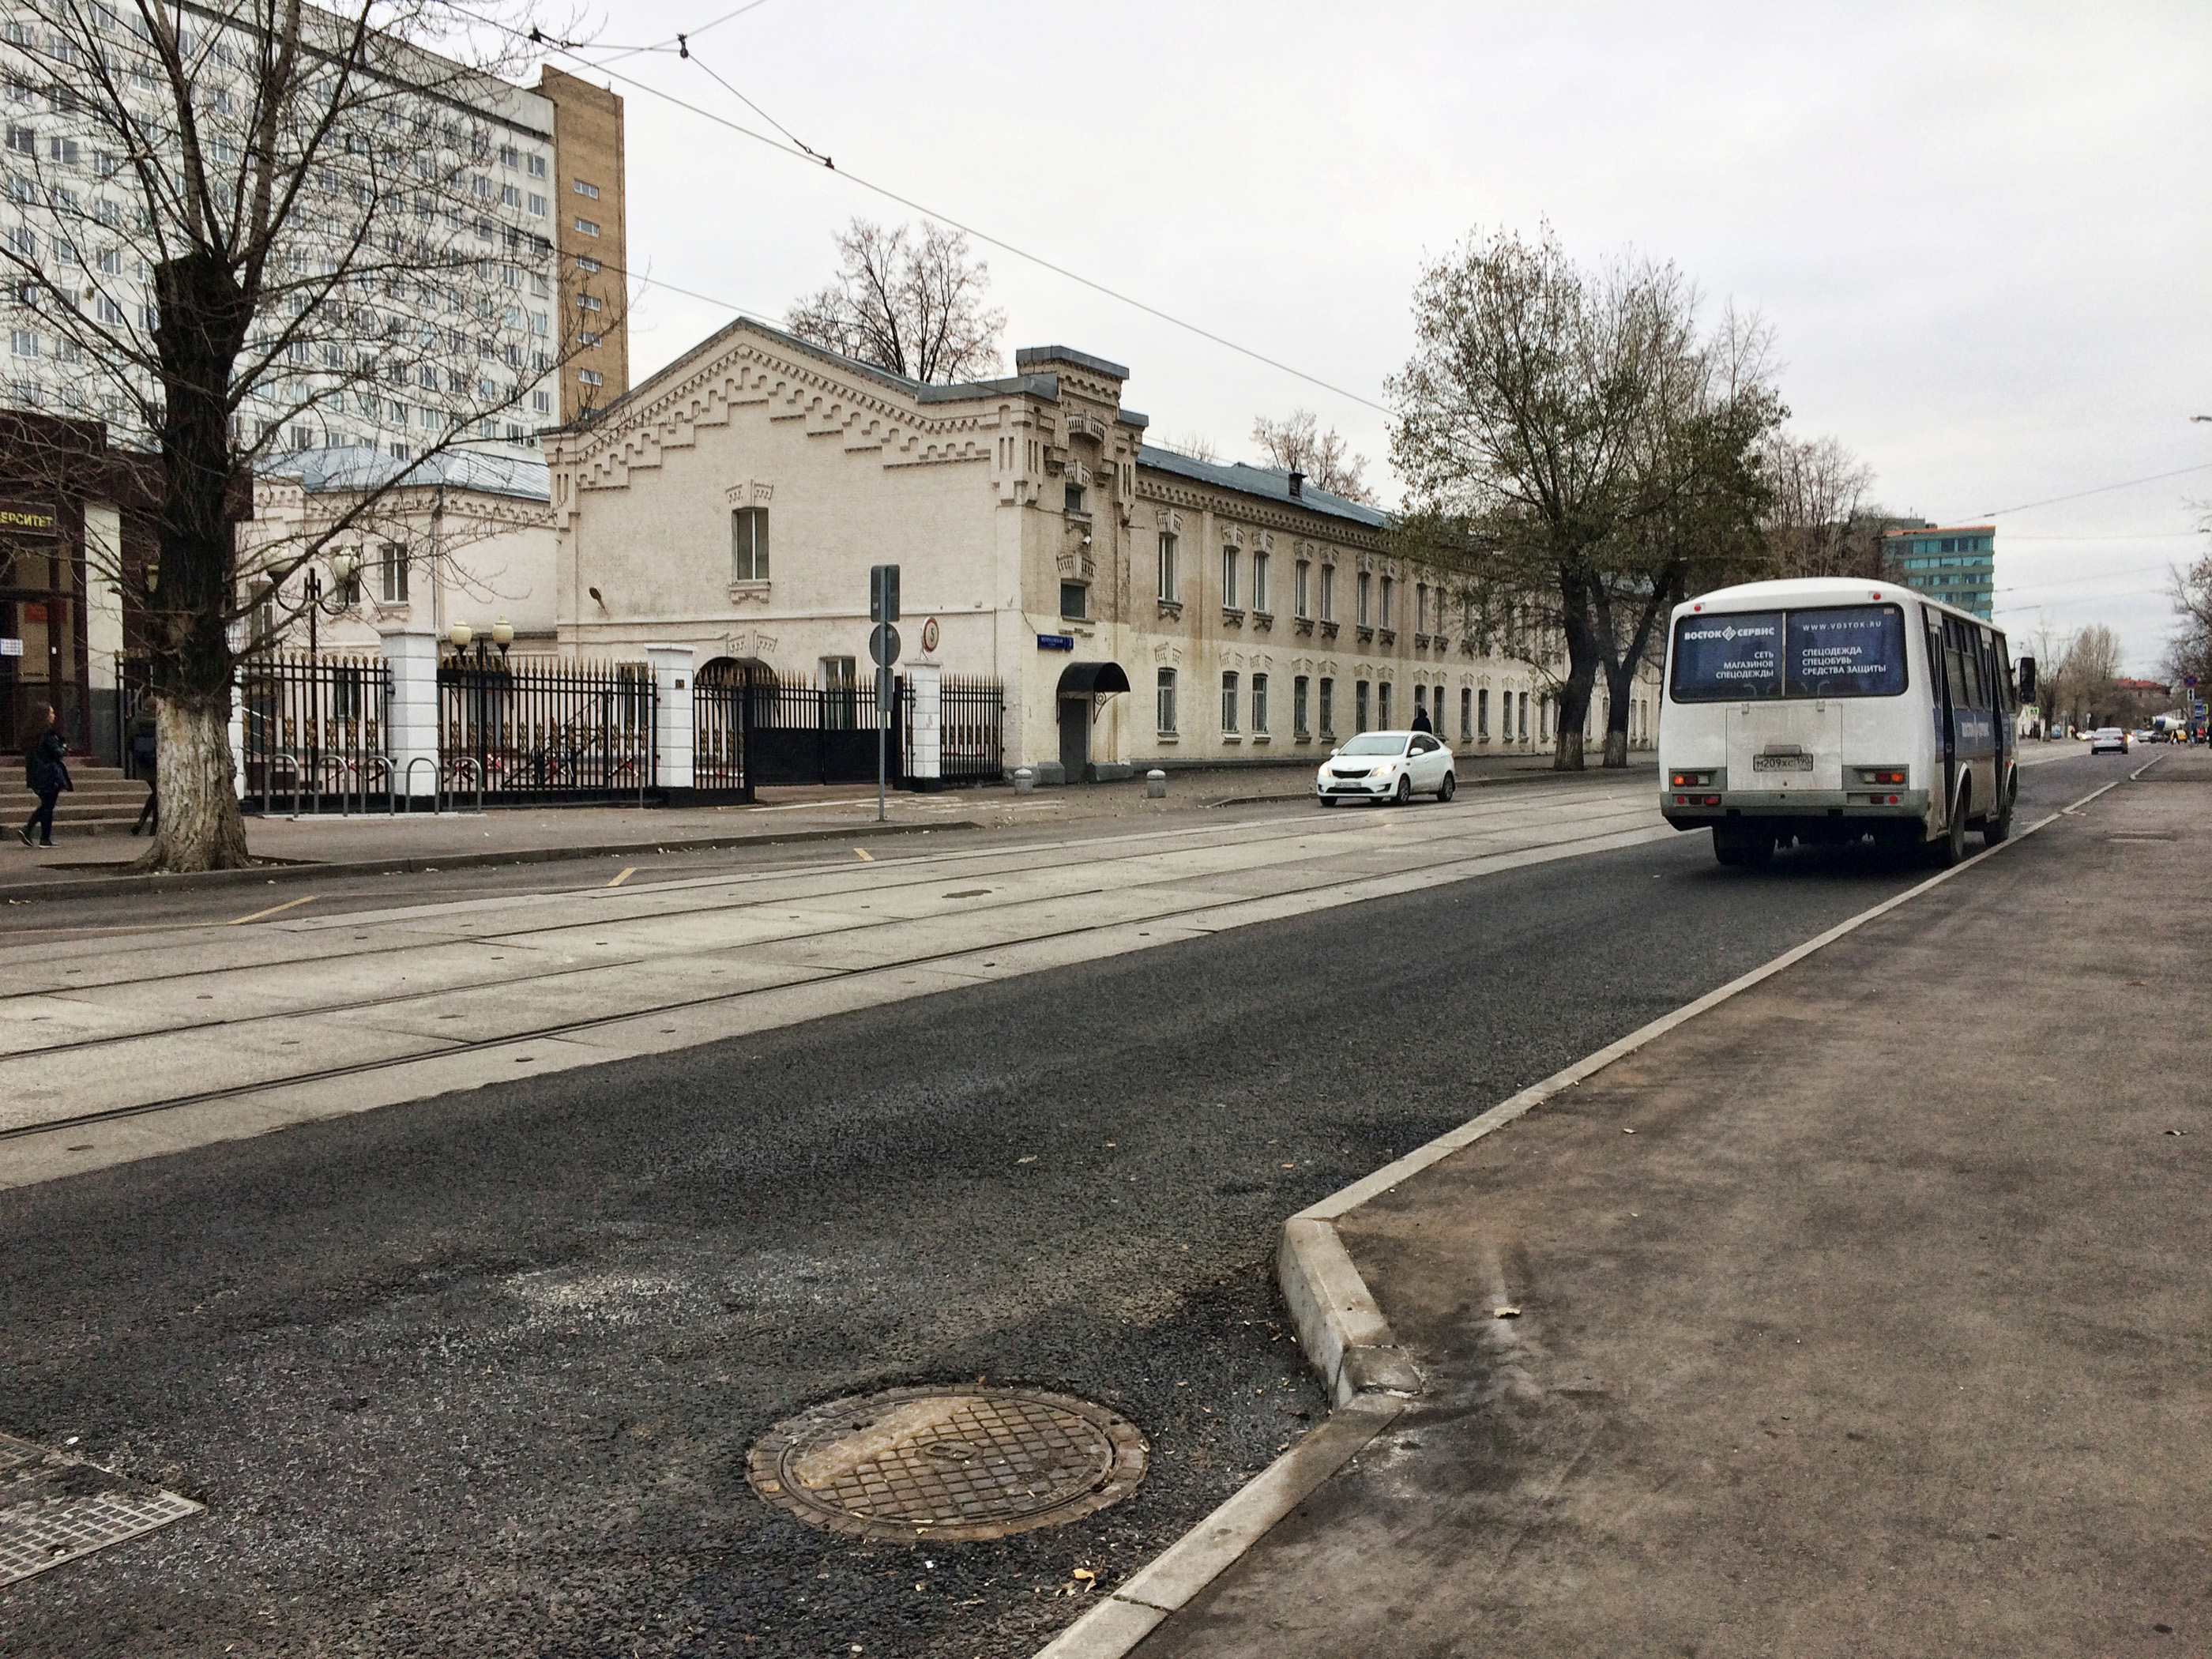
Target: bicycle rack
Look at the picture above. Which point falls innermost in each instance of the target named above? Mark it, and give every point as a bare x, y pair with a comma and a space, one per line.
474, 771
437, 783
383, 763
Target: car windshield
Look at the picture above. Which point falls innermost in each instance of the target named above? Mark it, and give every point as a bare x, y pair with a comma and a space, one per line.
1376, 742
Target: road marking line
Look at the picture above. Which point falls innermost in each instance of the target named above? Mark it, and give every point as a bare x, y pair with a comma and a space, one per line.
1339, 1324
287, 905
864, 853
623, 877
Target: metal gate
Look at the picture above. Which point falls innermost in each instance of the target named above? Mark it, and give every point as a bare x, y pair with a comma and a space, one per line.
794, 730
971, 728
315, 730
546, 729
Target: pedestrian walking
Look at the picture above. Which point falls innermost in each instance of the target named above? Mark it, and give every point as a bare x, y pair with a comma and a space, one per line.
47, 774
1421, 718
145, 757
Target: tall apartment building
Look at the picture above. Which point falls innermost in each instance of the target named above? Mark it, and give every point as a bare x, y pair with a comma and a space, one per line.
1955, 563
592, 241
503, 205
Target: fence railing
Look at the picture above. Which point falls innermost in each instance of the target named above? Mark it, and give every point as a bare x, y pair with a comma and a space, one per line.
799, 732
971, 730
315, 730
546, 728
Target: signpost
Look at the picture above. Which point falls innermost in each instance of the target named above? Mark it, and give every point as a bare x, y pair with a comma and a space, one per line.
883, 649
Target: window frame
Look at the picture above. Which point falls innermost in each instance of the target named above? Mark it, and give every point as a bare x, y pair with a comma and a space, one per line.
749, 544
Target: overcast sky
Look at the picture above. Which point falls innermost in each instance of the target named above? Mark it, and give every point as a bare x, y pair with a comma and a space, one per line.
1980, 232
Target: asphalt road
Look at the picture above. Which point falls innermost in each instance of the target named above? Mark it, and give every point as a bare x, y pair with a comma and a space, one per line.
477, 1374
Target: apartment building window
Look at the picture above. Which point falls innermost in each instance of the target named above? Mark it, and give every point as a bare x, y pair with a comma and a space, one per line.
509, 197
538, 204
587, 302
1229, 704
583, 189
1071, 498
537, 167
1327, 708
1387, 585
1074, 601
23, 343
23, 241
1360, 701
1421, 703
1466, 714
1299, 687
1229, 578
1482, 714
1382, 705
1259, 585
391, 571
1524, 717
585, 262
541, 402
749, 544
586, 227
509, 156
1366, 590
23, 140
1328, 593
1166, 695
590, 377
1167, 582
1259, 705
1421, 607
1301, 598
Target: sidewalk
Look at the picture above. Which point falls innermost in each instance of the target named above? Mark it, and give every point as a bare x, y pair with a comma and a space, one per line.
415, 841
1864, 1313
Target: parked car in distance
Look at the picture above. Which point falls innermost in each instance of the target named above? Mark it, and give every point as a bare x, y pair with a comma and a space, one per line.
1392, 766
2108, 740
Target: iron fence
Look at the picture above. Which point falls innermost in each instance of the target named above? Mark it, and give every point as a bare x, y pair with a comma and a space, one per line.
548, 729
315, 730
795, 730
719, 750
970, 732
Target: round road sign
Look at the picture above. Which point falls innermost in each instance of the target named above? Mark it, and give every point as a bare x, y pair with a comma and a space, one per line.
929, 636
883, 644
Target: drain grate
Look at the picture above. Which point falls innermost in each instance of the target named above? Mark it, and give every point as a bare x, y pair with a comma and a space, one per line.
960, 1464
55, 1508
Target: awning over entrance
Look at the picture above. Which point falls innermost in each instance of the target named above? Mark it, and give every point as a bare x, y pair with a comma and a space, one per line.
1092, 679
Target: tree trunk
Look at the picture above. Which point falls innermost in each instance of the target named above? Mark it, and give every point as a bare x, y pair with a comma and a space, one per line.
199, 828
203, 319
1620, 688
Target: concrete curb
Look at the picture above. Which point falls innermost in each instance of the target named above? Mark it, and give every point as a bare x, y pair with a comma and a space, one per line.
90, 886
1346, 1339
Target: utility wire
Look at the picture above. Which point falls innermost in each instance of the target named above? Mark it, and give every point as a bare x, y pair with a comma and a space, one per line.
801, 152
2101, 489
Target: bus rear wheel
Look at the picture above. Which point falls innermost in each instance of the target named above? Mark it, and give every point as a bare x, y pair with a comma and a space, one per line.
1996, 827
1952, 850
1738, 848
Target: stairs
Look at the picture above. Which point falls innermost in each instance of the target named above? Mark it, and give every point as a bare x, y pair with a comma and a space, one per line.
104, 802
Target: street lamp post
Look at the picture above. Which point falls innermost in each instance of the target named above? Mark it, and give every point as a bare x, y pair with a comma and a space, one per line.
344, 567
460, 634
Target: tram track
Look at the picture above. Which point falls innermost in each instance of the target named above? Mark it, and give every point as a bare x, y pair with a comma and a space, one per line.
1425, 872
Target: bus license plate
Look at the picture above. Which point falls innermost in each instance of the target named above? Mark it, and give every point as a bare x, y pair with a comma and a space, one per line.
1781, 762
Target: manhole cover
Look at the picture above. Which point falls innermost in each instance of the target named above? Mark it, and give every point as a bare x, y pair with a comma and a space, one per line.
55, 1508
956, 1463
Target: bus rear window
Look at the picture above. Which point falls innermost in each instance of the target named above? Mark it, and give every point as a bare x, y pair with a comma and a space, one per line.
1728, 659
1836, 651
1850, 650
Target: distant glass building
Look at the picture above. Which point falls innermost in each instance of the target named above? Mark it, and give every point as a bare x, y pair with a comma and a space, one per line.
1955, 563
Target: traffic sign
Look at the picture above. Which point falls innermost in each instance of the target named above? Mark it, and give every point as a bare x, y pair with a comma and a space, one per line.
883, 644
883, 592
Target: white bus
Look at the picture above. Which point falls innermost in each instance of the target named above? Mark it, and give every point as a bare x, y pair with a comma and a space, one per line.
1828, 710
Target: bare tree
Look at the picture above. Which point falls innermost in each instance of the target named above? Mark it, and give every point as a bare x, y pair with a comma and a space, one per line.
1194, 444
1298, 445
1818, 522
1572, 445
2190, 651
248, 227
914, 306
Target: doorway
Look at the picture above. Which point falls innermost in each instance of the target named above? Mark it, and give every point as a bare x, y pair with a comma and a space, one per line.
1074, 738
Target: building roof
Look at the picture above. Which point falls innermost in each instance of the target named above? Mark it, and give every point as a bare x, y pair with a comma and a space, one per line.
1946, 530
1268, 483
321, 470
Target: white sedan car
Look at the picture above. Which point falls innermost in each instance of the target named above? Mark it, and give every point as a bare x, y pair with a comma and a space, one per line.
1392, 766
2108, 740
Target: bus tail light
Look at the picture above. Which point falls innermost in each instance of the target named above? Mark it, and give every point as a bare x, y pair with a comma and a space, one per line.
1876, 775
1690, 780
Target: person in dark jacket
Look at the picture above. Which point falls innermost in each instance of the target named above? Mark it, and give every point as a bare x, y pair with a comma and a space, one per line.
1421, 718
47, 774
145, 756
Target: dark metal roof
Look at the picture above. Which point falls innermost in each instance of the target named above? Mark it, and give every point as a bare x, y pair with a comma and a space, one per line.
1270, 483
1088, 679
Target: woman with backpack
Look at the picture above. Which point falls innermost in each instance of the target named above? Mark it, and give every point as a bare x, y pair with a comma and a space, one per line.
47, 774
